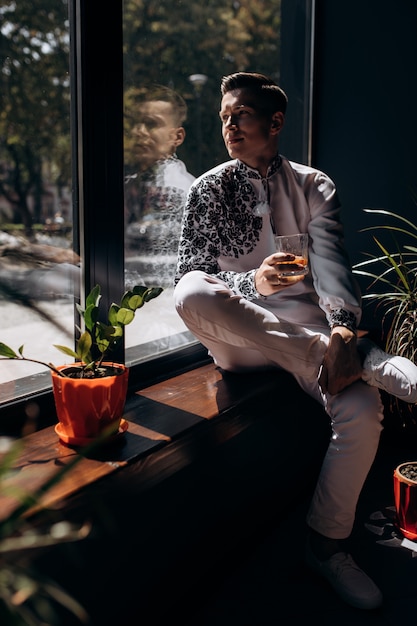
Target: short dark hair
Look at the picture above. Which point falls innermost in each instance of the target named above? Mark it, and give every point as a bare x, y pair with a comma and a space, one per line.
273, 97
149, 93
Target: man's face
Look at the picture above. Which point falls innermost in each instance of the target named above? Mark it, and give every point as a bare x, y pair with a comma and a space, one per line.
154, 134
249, 133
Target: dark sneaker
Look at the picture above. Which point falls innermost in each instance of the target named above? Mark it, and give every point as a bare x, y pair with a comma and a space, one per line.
350, 583
394, 374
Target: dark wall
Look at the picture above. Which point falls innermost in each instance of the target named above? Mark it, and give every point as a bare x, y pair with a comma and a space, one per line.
365, 109
295, 77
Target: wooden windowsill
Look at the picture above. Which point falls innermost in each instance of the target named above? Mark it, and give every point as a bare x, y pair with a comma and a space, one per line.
157, 416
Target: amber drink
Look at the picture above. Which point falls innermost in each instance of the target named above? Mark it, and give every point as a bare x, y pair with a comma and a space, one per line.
296, 245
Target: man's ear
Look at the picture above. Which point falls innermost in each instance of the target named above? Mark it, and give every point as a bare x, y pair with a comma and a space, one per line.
277, 122
178, 136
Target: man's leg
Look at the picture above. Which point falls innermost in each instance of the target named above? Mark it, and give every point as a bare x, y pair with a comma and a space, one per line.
356, 415
394, 374
226, 323
230, 326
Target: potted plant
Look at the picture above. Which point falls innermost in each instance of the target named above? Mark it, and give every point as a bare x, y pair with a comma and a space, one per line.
393, 275
90, 393
405, 498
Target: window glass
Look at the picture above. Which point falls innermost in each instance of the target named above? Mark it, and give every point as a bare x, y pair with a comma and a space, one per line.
38, 267
175, 53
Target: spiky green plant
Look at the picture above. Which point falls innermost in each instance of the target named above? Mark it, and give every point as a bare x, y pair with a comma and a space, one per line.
393, 275
398, 276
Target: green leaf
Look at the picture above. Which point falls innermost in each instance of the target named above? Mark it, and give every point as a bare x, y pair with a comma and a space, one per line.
135, 301
125, 316
140, 294
102, 344
90, 363
93, 297
393, 263
118, 332
65, 350
395, 216
107, 331
138, 291
114, 308
104, 336
152, 292
84, 346
7, 352
91, 316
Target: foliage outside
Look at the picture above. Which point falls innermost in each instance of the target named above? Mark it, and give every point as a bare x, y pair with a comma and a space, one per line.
35, 145
164, 42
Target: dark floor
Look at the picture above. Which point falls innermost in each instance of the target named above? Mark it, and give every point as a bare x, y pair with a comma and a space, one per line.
270, 585
261, 582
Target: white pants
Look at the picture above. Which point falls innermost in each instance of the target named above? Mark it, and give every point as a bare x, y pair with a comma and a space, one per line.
241, 335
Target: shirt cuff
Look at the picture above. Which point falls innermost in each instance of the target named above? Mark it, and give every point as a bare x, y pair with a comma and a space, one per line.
341, 317
252, 292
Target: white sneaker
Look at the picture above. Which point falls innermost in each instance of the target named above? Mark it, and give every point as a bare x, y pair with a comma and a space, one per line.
394, 374
347, 579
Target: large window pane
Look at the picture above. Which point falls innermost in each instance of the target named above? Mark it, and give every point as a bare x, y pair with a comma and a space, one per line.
38, 268
182, 45
185, 47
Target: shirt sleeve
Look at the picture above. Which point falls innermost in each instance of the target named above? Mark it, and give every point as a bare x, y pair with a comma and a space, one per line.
201, 238
334, 282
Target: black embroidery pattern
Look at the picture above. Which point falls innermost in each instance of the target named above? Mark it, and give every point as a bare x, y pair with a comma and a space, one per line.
220, 220
341, 317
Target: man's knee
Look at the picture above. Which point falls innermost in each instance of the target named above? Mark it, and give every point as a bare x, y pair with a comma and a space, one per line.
361, 405
196, 290
189, 289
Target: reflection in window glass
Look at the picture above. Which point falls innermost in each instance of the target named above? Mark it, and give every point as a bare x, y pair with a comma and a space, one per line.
37, 262
175, 53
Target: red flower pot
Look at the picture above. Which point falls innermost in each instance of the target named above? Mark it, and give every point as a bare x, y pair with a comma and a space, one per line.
405, 497
88, 407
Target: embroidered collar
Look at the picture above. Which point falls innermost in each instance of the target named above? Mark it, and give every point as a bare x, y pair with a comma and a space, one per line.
252, 173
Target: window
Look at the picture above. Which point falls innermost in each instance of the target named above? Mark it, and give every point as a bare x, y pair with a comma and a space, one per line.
90, 195
175, 53
36, 224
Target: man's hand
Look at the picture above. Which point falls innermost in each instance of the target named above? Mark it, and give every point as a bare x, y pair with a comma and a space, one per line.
341, 364
268, 279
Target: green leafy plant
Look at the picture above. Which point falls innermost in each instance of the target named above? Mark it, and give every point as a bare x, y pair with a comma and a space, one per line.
393, 285
396, 273
28, 598
98, 339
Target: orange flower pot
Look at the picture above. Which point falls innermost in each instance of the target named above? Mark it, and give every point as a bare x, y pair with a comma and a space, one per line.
405, 497
86, 408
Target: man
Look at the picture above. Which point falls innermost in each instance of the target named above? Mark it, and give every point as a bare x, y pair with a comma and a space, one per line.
156, 190
231, 295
